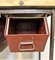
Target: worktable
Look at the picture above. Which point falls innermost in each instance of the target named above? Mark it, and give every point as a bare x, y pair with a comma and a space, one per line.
31, 6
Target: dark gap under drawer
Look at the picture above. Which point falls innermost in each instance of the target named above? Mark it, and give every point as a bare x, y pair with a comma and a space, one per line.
3, 43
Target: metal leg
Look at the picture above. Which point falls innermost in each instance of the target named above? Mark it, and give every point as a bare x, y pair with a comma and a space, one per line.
52, 36
39, 55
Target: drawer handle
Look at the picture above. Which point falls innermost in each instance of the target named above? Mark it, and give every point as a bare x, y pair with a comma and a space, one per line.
26, 43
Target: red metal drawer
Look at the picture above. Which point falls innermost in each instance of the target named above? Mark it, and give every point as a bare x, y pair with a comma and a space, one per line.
26, 34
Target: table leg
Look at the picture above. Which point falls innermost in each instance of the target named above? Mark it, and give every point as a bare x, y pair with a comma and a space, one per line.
39, 55
52, 35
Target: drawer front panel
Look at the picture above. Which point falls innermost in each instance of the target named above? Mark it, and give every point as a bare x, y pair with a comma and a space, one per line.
27, 43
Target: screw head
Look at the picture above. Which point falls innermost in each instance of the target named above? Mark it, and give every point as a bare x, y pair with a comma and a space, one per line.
21, 3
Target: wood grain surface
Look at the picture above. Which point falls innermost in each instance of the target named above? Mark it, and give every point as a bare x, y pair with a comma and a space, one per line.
27, 2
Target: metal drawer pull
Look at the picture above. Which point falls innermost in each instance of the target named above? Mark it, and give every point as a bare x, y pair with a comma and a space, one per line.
26, 43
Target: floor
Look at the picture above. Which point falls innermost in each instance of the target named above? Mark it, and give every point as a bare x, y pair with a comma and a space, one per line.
7, 55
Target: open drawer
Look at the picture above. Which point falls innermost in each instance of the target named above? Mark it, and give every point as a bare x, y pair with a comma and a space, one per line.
3, 42
26, 34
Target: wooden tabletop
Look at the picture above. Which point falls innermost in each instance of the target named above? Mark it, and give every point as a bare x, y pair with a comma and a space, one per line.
27, 2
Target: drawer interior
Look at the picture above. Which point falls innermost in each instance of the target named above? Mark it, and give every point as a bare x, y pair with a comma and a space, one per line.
27, 26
